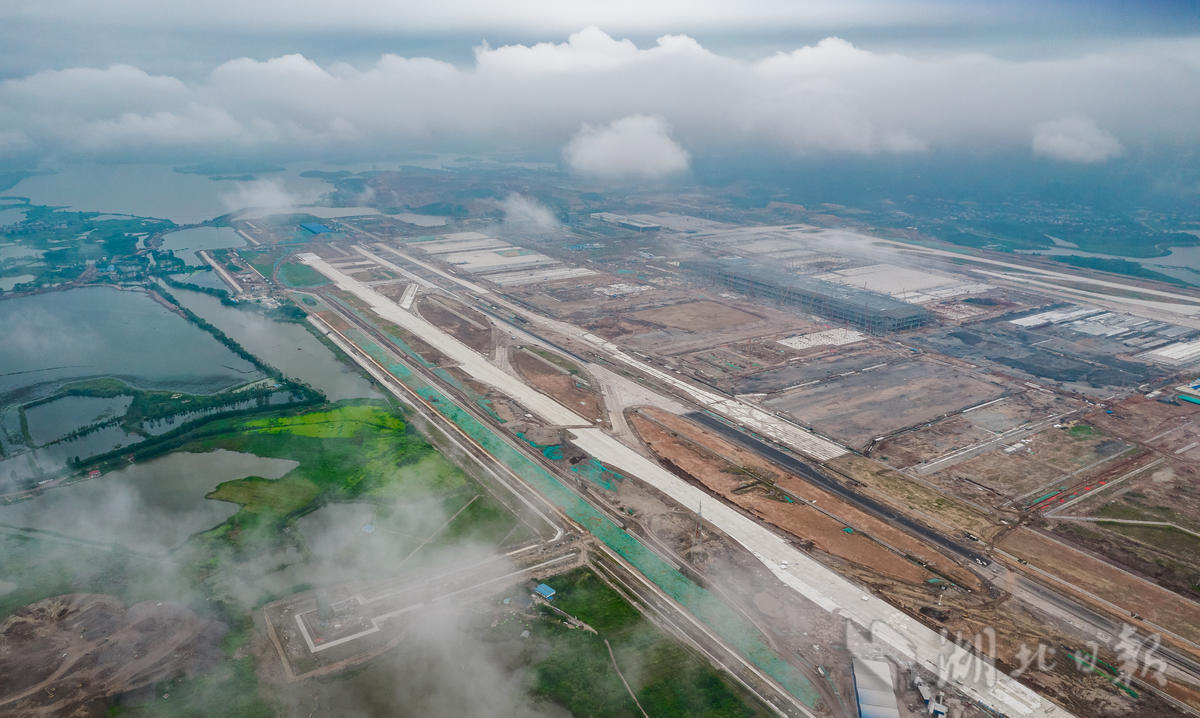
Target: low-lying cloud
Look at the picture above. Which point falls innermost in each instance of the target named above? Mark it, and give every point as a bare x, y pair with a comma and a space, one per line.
263, 197
636, 147
526, 214
1075, 139
831, 97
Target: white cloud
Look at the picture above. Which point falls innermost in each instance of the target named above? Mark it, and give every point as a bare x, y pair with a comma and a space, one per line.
1075, 139
420, 16
637, 146
263, 197
523, 213
831, 97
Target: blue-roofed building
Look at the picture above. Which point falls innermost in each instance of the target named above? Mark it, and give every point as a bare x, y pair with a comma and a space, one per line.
545, 591
315, 228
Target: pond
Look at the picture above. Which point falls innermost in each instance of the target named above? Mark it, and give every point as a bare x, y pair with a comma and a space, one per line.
55, 419
7, 283
11, 251
151, 507
289, 347
58, 337
1182, 263
185, 242
201, 279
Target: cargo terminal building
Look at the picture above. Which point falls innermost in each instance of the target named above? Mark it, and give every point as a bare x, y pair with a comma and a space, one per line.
874, 312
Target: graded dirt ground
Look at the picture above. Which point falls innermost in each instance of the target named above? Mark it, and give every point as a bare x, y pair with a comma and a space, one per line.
463, 323
960, 431
876, 401
570, 390
913, 447
751, 483
970, 615
1047, 460
1134, 595
914, 497
1163, 554
695, 316
1173, 429
1168, 492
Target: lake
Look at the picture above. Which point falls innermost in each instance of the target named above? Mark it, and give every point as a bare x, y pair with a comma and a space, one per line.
185, 242
287, 346
11, 215
57, 418
160, 191
201, 279
7, 283
149, 508
57, 337
1182, 263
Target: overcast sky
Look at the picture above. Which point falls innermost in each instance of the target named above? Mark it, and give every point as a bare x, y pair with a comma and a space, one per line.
614, 86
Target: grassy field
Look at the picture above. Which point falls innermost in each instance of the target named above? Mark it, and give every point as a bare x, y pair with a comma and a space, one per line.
301, 275
359, 452
263, 260
151, 405
353, 456
1083, 431
668, 679
354, 452
555, 359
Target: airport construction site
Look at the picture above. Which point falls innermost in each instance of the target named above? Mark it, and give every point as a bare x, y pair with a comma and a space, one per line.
825, 432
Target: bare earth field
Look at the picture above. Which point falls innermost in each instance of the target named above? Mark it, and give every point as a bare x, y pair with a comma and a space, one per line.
695, 316
1051, 457
1109, 583
735, 475
59, 655
906, 494
1162, 554
749, 482
689, 326
1166, 427
874, 402
913, 447
463, 323
578, 393
1168, 492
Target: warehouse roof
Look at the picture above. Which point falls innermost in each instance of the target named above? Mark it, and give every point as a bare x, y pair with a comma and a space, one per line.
772, 278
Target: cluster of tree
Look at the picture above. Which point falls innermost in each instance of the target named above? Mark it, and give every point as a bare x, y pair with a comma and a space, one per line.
292, 384
85, 430
221, 294
1116, 266
188, 431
